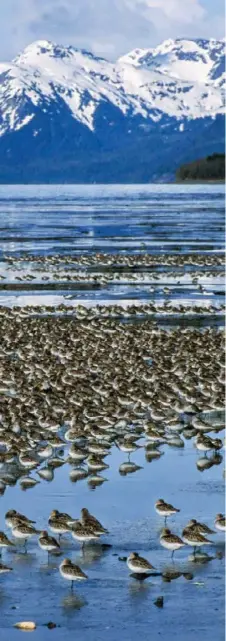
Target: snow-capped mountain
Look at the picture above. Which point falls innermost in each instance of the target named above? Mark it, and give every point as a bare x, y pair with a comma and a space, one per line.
55, 100
198, 60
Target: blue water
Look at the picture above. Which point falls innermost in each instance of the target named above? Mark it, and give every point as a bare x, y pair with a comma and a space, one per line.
109, 218
153, 219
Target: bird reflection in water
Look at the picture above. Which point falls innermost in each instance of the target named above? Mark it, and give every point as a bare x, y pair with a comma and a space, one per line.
73, 602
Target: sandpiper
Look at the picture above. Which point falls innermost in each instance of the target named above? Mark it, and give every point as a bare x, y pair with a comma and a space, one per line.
58, 525
220, 522
27, 461
127, 447
88, 519
72, 572
5, 542
202, 528
171, 541
194, 538
12, 514
165, 509
96, 463
63, 516
24, 532
138, 564
84, 533
48, 543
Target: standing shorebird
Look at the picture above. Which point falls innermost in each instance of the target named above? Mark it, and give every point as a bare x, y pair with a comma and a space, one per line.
84, 533
191, 536
201, 528
127, 447
48, 543
24, 532
171, 541
138, 565
12, 514
165, 509
5, 542
58, 524
88, 520
71, 572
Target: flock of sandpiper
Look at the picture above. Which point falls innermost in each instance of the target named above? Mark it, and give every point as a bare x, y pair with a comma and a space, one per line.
122, 259
88, 529
88, 387
74, 388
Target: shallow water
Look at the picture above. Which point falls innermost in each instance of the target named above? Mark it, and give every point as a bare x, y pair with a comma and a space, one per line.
111, 602
153, 219
176, 220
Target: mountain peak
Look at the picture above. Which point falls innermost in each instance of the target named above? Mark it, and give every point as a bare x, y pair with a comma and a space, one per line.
57, 99
33, 53
178, 79
184, 58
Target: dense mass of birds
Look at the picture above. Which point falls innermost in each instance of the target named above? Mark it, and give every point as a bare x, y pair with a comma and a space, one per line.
78, 381
121, 259
160, 279
112, 311
104, 277
72, 390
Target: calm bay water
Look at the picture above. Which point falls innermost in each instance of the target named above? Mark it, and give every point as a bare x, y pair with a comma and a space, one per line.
153, 219
41, 221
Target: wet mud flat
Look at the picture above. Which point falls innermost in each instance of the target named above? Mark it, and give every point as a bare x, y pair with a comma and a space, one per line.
122, 349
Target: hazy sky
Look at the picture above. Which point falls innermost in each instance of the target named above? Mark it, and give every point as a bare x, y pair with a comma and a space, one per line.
107, 27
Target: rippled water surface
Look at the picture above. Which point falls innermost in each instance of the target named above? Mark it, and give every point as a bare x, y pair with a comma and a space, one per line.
74, 220
69, 225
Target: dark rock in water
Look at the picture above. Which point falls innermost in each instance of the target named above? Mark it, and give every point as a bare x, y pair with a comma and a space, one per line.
50, 625
122, 558
188, 576
159, 602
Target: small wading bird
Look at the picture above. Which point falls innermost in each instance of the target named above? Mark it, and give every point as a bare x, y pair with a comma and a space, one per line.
48, 543
71, 572
165, 509
138, 565
171, 541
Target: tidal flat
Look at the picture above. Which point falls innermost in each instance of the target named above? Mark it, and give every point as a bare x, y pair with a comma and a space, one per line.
112, 396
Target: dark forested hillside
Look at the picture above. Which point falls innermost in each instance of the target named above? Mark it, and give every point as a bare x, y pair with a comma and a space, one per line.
209, 168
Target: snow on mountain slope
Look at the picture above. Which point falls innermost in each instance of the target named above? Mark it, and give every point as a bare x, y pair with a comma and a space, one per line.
178, 79
190, 60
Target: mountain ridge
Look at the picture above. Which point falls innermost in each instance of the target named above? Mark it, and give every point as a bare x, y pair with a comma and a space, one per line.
57, 102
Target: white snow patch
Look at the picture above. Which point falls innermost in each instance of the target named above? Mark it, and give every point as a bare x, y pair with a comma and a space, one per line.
172, 79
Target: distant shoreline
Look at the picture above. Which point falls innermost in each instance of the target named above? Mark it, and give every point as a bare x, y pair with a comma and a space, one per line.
112, 184
199, 182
